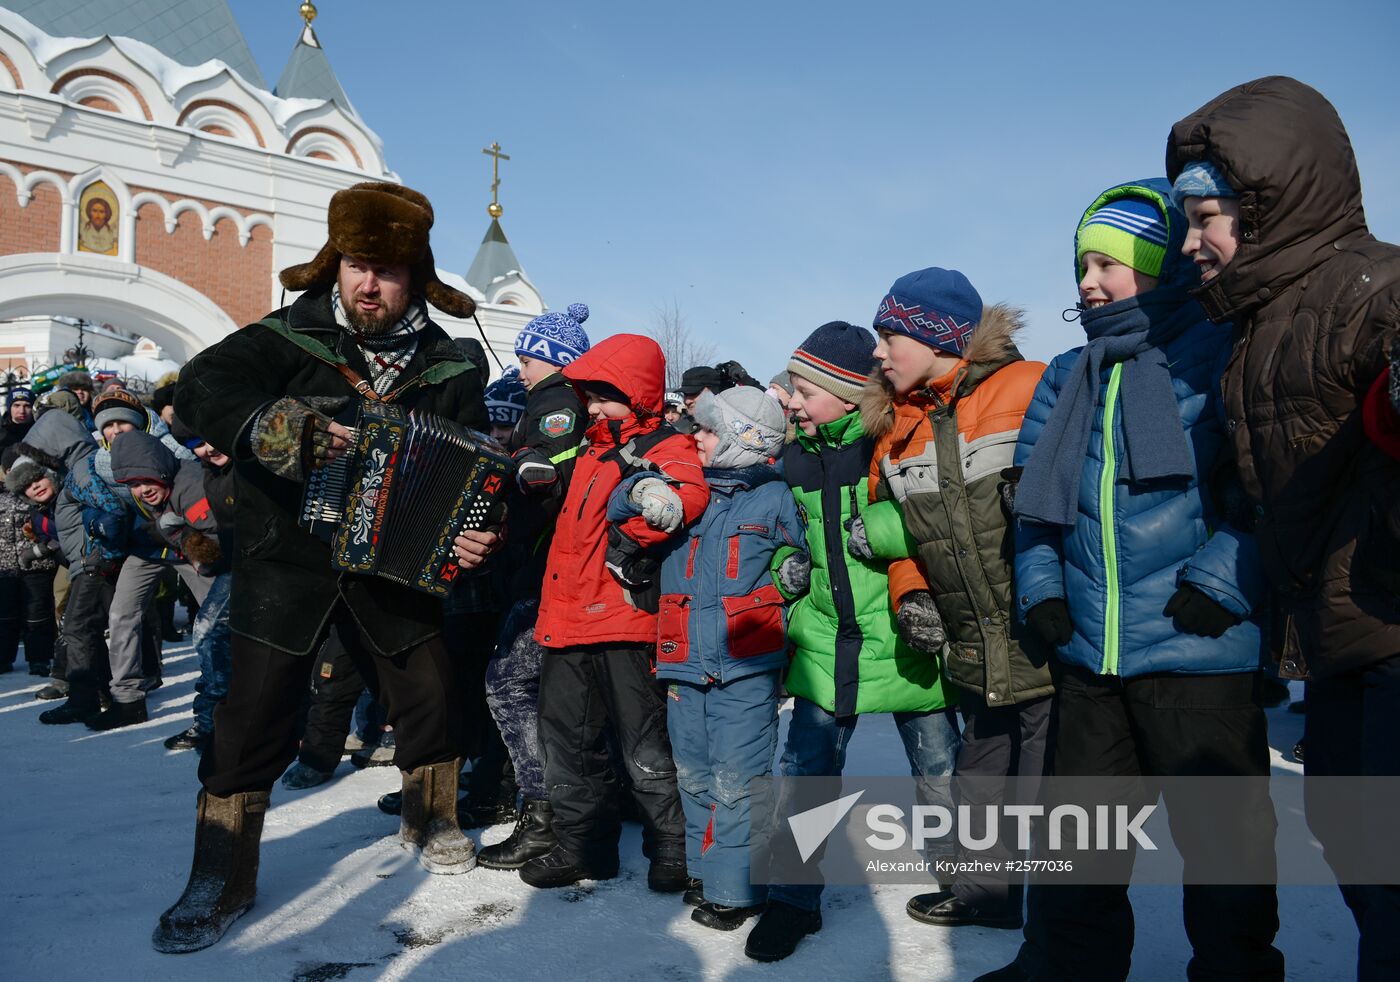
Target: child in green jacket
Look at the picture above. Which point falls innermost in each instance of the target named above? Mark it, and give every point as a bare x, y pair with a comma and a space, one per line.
848, 657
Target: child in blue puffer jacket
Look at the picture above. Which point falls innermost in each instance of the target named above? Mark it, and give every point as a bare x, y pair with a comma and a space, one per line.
721, 643
1134, 558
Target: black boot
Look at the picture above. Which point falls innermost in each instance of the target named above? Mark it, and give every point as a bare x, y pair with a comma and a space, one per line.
120, 714
1011, 973
39, 669
779, 930
72, 711
946, 910
667, 873
722, 918
471, 816
560, 868
224, 876
694, 894
391, 802
192, 739
532, 837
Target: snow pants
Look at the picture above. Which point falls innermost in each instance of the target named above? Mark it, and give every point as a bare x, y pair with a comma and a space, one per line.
584, 692
1353, 728
1164, 726
513, 695
723, 735
136, 587
997, 741
26, 614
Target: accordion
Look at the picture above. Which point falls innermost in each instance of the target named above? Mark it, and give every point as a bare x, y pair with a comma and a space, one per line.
407, 486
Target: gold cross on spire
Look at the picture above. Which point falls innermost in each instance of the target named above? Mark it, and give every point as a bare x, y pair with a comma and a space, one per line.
494, 152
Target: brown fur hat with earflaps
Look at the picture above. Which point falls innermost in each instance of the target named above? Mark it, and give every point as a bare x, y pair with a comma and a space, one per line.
385, 224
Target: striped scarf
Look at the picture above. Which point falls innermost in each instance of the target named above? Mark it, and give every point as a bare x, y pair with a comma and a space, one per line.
387, 354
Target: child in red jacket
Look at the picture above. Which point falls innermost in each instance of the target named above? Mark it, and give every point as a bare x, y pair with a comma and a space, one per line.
599, 630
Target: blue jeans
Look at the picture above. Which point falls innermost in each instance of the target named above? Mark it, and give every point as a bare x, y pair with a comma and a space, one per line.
212, 645
816, 747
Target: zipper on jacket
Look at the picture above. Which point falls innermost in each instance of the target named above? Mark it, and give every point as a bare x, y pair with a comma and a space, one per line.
1106, 526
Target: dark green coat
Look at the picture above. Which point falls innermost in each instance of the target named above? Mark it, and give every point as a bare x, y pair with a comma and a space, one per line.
283, 585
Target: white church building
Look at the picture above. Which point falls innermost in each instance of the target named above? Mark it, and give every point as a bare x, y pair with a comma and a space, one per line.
152, 183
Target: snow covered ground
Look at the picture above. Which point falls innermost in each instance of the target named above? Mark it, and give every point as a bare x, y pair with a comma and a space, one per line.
98, 832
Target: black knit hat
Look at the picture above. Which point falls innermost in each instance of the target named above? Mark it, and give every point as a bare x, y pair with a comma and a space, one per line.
836, 357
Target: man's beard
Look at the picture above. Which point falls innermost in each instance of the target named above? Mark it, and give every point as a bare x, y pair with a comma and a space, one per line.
382, 321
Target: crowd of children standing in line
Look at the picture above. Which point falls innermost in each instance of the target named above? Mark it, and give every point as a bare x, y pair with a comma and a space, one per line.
1078, 568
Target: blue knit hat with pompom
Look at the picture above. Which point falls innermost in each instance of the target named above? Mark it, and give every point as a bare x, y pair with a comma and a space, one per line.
556, 337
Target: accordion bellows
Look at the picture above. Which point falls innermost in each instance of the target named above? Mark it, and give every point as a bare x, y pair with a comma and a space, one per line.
409, 484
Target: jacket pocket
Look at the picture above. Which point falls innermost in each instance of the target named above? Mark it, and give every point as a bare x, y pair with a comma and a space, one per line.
673, 629
755, 622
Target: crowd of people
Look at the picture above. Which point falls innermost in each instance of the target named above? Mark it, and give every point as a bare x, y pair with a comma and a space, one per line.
1102, 566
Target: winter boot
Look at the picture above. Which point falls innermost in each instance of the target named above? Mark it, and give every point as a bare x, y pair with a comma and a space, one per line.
560, 868
56, 689
380, 754
946, 910
224, 876
429, 819
40, 669
532, 837
722, 918
391, 803
301, 776
471, 816
694, 894
779, 931
120, 714
72, 711
667, 873
192, 739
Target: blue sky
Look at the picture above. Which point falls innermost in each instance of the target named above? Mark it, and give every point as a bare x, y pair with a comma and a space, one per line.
772, 166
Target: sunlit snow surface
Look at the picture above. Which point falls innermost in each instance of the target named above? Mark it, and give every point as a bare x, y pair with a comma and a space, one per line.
98, 828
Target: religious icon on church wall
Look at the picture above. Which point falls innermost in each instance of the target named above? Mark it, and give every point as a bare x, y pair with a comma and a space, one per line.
97, 220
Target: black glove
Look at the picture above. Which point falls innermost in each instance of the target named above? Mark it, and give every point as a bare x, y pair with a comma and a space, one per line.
919, 623
1195, 613
1050, 619
634, 569
533, 471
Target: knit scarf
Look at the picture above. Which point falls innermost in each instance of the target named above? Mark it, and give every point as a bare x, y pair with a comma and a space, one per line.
1133, 332
387, 354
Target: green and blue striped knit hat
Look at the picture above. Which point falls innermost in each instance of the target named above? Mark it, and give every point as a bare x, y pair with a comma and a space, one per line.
1130, 229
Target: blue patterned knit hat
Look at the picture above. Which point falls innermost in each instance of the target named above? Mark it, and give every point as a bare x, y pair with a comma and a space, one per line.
1201, 179
1131, 230
505, 399
937, 307
20, 394
556, 337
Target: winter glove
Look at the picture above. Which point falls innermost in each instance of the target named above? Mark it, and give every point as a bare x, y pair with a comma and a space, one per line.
634, 570
661, 506
1011, 477
292, 436
533, 471
34, 552
1195, 613
202, 551
794, 574
919, 623
170, 523
1050, 619
857, 543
